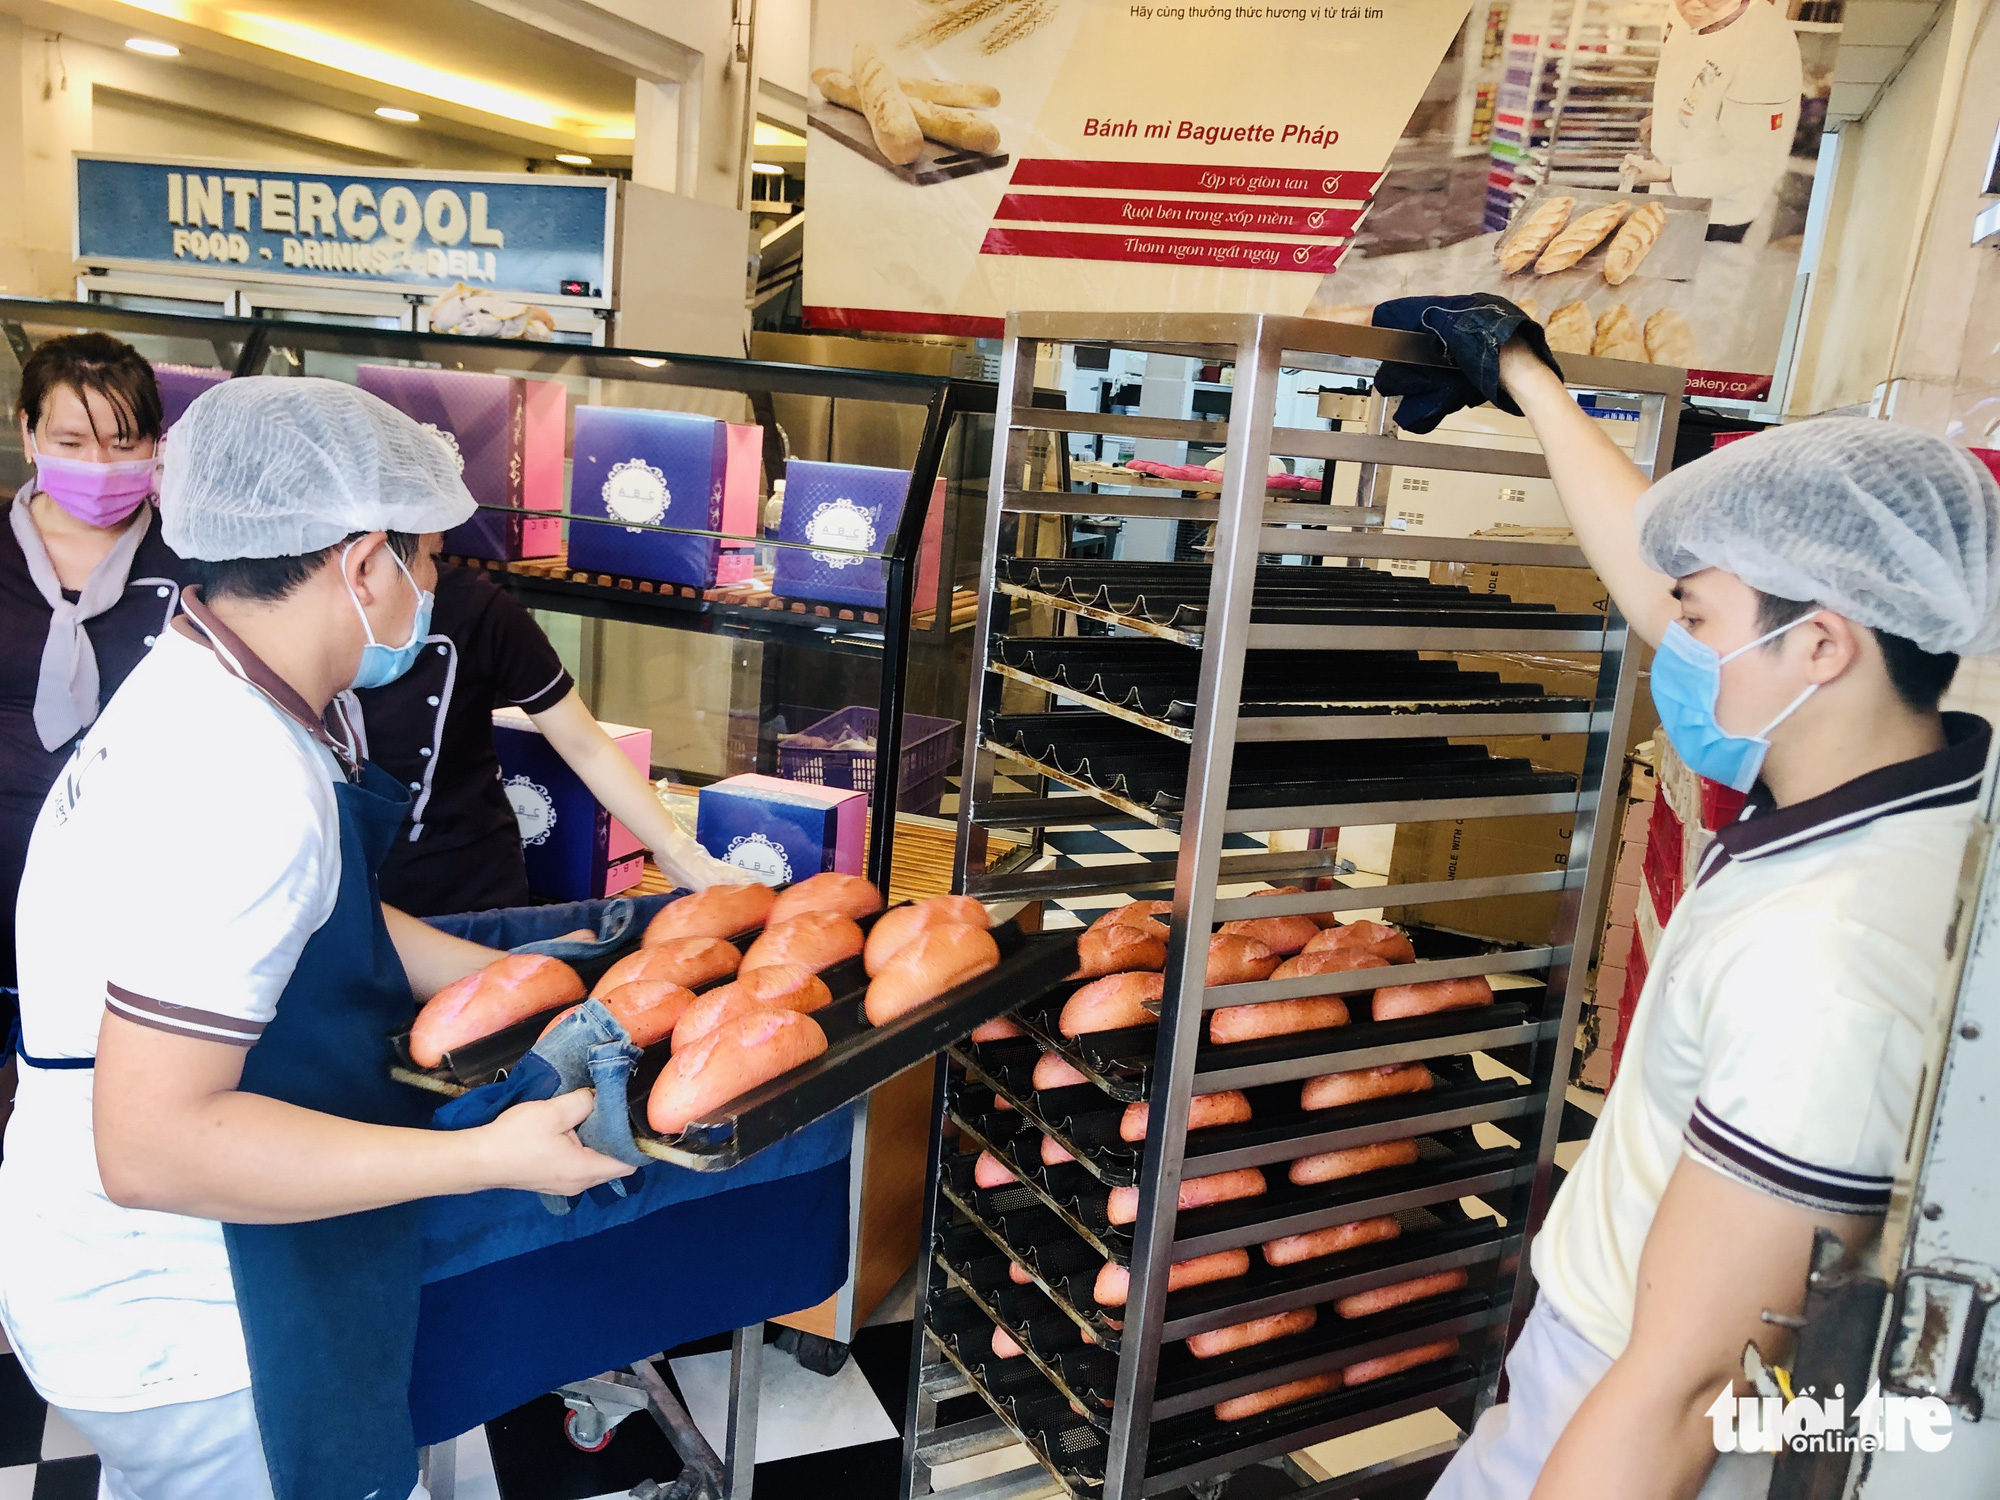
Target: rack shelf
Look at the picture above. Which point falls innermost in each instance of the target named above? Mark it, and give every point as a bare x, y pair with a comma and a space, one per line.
1245, 695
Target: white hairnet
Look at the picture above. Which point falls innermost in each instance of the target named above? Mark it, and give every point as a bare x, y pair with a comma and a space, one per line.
1891, 527
277, 466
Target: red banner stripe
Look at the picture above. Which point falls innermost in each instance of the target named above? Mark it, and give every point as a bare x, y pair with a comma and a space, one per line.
1180, 213
881, 320
1728, 385
1192, 177
1163, 249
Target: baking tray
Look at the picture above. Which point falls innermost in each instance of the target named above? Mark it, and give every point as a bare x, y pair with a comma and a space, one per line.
938, 163
1121, 1062
1065, 1444
1085, 1122
858, 1056
1082, 1371
1174, 597
1147, 774
1448, 1160
1159, 679
1435, 1237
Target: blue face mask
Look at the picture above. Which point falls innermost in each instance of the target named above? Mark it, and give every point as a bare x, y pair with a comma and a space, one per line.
1687, 680
380, 664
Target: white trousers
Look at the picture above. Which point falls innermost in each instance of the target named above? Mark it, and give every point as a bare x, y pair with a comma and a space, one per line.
1551, 1369
191, 1450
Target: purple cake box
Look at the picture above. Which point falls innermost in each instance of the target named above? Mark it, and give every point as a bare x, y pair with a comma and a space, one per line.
508, 434
781, 831
179, 385
575, 850
652, 468
852, 506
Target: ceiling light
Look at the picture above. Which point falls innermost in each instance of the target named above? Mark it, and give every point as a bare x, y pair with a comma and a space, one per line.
405, 116
152, 48
571, 159
767, 169
650, 364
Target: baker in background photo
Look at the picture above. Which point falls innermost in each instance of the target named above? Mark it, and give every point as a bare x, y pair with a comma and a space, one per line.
86, 585
459, 850
1725, 105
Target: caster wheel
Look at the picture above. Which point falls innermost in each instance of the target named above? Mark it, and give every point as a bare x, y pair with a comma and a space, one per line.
573, 1430
821, 1356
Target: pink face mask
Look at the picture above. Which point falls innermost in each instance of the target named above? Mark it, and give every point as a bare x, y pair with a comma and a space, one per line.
96, 494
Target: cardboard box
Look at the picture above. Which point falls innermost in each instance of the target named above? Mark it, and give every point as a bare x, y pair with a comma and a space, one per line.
507, 431
781, 831
179, 385
1470, 849
576, 851
851, 506
661, 468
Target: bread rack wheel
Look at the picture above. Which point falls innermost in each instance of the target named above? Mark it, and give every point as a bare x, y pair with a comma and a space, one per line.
576, 1429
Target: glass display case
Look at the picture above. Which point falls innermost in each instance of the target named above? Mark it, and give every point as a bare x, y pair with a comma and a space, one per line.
627, 498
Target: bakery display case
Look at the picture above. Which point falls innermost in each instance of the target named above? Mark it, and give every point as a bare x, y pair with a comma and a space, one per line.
625, 498
1266, 1208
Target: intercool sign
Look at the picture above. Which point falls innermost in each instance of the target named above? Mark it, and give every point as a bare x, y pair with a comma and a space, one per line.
399, 231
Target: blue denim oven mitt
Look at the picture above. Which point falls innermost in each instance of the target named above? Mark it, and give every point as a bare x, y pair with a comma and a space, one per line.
1471, 330
614, 925
589, 1048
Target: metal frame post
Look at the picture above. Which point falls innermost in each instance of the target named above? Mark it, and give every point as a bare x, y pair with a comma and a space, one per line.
1240, 524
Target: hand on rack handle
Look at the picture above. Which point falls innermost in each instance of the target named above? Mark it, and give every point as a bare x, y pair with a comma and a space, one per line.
534, 1147
1470, 332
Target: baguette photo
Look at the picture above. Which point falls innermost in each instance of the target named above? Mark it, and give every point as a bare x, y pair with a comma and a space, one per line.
901, 112
1533, 234
1635, 237
1579, 238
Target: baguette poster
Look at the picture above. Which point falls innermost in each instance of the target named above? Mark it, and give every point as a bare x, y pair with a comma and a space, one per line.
1637, 179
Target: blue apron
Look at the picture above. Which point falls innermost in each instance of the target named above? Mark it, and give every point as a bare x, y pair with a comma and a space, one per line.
329, 1308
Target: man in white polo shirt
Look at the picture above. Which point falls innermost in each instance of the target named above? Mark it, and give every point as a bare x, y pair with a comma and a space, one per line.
207, 1244
1809, 590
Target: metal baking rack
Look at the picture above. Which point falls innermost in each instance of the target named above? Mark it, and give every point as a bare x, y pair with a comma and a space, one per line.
1268, 689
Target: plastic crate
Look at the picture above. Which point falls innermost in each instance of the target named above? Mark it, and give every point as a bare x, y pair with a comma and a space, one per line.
930, 748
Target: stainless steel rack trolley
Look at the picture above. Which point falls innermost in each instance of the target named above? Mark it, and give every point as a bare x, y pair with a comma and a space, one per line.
1269, 689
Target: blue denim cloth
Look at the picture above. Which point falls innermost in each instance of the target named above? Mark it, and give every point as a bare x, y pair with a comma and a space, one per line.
589, 1048
1471, 330
536, 929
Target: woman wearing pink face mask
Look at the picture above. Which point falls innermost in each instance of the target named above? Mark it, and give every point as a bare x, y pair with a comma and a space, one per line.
86, 584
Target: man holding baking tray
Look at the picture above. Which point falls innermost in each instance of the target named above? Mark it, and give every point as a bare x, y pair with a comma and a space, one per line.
1809, 590
208, 1248
1725, 105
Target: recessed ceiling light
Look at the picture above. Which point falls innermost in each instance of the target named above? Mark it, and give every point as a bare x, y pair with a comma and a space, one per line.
405, 116
571, 159
767, 169
152, 48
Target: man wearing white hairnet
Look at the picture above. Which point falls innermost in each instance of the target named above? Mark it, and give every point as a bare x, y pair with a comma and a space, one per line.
208, 1252
1810, 591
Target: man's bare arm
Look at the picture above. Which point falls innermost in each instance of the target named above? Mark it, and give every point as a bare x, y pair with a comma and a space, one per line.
433, 959
1599, 488
175, 1134
1719, 1253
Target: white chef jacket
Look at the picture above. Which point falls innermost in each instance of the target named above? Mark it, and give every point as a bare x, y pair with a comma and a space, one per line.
1781, 1033
1725, 104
